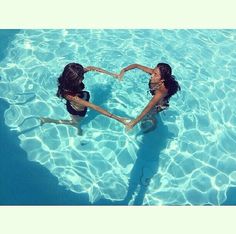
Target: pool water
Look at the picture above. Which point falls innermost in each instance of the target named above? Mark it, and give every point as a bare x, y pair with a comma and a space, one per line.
189, 159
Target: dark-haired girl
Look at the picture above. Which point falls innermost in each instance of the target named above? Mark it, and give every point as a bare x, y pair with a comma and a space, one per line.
71, 88
162, 85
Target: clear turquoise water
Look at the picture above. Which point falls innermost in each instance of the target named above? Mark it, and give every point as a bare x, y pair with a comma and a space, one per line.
189, 159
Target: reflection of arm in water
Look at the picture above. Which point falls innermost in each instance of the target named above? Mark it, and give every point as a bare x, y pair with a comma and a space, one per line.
80, 101
97, 69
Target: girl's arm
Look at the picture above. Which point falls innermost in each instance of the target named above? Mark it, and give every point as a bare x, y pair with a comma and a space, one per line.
97, 69
141, 67
80, 101
156, 98
133, 66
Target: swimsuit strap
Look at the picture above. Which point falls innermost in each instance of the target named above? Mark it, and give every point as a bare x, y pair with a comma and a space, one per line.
163, 106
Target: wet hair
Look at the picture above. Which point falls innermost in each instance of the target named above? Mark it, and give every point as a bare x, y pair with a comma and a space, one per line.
169, 80
70, 81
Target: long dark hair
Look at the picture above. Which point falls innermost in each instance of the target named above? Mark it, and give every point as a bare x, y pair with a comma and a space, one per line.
70, 81
169, 80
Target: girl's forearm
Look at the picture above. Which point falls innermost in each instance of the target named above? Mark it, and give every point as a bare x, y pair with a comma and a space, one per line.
117, 118
104, 71
158, 96
148, 108
108, 114
92, 106
97, 69
102, 111
130, 67
141, 67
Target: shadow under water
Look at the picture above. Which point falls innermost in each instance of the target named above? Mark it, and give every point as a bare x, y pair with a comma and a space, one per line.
146, 164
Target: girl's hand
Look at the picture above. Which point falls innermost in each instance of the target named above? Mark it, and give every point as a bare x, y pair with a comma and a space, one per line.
124, 120
122, 72
130, 124
117, 76
121, 119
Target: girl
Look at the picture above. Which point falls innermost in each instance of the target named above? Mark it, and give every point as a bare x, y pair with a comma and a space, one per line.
71, 88
162, 85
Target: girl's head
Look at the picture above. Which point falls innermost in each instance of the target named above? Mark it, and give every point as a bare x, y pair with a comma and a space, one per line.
70, 81
163, 72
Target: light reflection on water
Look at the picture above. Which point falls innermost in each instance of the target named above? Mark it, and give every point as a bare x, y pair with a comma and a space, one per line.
189, 159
